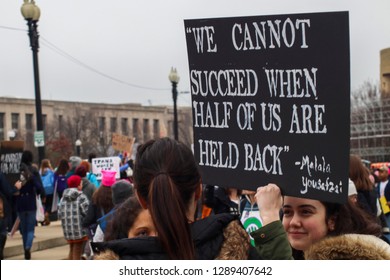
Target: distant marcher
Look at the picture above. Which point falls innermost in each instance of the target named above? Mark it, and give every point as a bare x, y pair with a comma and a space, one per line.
101, 202
121, 190
88, 188
383, 190
90, 176
366, 195
47, 177
6, 193
71, 211
74, 161
30, 186
101, 205
60, 179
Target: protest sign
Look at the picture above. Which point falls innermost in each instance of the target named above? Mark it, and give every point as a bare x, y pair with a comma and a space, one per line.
122, 143
271, 102
105, 163
10, 158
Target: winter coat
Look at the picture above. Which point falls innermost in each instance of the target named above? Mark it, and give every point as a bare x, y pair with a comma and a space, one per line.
47, 178
215, 237
26, 200
217, 199
71, 211
349, 247
271, 242
88, 189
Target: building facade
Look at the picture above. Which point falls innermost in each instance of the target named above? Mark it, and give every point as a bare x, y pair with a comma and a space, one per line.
385, 72
85, 121
370, 120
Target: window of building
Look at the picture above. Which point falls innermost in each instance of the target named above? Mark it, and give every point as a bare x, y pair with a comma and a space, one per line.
29, 121
146, 130
156, 129
125, 126
2, 120
102, 124
60, 123
136, 129
113, 122
15, 121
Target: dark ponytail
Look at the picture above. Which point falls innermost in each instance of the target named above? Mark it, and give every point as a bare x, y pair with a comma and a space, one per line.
169, 217
166, 176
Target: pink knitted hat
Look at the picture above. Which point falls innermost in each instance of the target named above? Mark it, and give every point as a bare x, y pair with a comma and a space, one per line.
108, 178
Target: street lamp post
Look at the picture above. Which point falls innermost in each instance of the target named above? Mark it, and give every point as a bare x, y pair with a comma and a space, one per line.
31, 14
174, 78
78, 146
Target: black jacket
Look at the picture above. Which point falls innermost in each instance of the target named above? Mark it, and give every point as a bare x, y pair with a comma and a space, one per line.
219, 201
215, 237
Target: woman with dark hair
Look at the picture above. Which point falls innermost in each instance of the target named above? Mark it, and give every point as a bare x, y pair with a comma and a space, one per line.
130, 220
60, 180
101, 202
30, 186
47, 177
308, 222
168, 183
360, 175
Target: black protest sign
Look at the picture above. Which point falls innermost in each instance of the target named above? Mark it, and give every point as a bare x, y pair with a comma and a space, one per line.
10, 158
271, 102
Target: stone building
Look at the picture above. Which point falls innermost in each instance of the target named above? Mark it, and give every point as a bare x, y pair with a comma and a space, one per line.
85, 121
370, 119
385, 72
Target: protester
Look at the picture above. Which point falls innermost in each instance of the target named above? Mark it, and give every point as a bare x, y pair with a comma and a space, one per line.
74, 161
383, 189
88, 188
360, 175
130, 221
222, 200
47, 177
121, 190
60, 179
6, 193
101, 202
72, 209
30, 186
168, 184
90, 176
308, 221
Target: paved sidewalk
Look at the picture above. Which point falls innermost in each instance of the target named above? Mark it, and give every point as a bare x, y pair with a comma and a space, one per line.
49, 244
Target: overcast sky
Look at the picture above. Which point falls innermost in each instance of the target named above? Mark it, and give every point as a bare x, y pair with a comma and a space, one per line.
121, 51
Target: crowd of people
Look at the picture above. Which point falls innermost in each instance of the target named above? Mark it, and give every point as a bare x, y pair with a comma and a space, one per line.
160, 209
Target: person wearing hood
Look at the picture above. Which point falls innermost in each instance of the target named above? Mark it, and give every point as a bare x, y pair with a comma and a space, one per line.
71, 211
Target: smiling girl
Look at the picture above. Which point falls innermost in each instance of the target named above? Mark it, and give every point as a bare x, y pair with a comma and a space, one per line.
309, 221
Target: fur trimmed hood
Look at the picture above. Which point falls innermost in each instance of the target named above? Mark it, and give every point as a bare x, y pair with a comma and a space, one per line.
349, 247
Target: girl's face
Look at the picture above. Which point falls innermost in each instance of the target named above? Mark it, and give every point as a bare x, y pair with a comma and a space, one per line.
143, 225
304, 221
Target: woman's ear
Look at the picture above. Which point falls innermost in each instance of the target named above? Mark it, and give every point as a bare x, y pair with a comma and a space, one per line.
331, 223
141, 201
